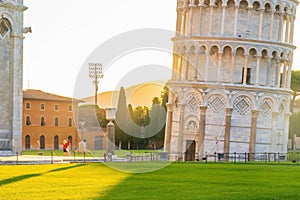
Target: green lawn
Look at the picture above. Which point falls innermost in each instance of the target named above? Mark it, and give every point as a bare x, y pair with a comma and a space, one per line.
176, 181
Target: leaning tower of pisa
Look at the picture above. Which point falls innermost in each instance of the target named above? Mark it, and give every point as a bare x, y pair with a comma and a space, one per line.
230, 87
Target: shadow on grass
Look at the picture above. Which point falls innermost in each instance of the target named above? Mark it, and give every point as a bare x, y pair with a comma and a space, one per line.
28, 176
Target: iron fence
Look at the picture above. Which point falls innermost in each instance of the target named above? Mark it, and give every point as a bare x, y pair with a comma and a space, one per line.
266, 157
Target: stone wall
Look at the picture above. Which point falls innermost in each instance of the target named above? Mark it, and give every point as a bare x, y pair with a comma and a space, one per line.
11, 61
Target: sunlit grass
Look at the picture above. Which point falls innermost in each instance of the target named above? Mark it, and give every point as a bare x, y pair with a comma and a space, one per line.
71, 181
176, 181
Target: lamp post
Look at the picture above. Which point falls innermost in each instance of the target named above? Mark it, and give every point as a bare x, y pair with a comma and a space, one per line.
95, 73
111, 115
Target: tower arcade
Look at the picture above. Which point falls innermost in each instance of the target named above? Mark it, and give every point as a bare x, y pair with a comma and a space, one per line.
230, 87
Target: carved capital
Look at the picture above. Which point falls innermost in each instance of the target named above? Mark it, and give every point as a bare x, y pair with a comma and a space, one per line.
170, 107
254, 113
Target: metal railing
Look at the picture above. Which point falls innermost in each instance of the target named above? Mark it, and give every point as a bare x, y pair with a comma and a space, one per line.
266, 157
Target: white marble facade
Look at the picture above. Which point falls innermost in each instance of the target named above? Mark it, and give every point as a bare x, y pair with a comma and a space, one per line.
230, 87
11, 69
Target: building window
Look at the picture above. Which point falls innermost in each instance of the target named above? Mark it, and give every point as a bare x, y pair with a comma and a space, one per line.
56, 107
56, 145
27, 106
70, 108
43, 121
42, 142
42, 106
27, 142
28, 122
56, 121
70, 122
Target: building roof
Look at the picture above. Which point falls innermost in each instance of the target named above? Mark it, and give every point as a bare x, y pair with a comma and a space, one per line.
40, 95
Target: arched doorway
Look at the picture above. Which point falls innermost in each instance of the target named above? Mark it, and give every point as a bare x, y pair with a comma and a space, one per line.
56, 142
27, 142
190, 150
42, 142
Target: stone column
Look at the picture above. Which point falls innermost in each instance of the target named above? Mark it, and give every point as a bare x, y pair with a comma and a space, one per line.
288, 81
223, 18
277, 73
180, 74
227, 132
184, 22
200, 17
284, 75
168, 130
268, 70
245, 70
286, 131
175, 66
235, 20
249, 18
253, 134
274, 132
211, 9
206, 65
191, 19
187, 63
292, 29
178, 23
232, 67
200, 146
219, 66
257, 69
271, 24
260, 23
279, 37
17, 64
181, 128
287, 25
196, 68
111, 137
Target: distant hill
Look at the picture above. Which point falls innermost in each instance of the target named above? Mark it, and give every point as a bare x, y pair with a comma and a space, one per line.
138, 95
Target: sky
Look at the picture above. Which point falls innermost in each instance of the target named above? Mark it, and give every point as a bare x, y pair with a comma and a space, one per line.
65, 33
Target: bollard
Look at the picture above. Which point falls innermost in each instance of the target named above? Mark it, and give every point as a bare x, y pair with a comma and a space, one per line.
234, 157
84, 156
215, 155
278, 158
51, 157
17, 158
74, 155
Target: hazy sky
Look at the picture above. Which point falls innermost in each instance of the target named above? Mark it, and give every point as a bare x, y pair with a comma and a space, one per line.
66, 32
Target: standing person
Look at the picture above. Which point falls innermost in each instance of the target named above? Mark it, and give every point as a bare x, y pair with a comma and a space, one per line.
66, 147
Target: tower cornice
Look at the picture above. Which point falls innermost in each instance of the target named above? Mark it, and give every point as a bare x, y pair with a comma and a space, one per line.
13, 6
230, 39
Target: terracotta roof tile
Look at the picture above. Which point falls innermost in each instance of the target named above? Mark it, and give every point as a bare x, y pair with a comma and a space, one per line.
40, 95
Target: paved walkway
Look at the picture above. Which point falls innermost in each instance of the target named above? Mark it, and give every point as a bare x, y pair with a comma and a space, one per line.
29, 159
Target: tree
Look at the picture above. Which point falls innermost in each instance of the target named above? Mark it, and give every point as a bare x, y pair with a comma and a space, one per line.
121, 118
294, 125
295, 86
164, 97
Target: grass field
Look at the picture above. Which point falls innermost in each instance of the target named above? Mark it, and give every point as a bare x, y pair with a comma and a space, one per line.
176, 181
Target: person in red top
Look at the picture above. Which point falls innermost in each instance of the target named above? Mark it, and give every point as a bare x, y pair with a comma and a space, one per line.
66, 149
